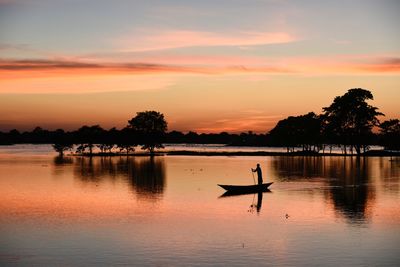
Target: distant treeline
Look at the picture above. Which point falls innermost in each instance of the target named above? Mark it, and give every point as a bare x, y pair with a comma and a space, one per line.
346, 123
102, 136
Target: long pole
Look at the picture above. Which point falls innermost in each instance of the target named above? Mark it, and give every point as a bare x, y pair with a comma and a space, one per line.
252, 173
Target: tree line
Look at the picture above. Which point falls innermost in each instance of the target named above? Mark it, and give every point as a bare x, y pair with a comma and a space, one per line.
347, 123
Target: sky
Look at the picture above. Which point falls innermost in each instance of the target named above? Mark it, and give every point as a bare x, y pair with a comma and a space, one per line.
208, 66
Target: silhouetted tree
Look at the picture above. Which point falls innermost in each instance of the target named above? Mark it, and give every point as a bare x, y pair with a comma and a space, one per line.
283, 134
126, 140
87, 137
192, 137
175, 137
150, 127
61, 148
390, 134
107, 140
301, 130
12, 137
62, 142
350, 119
37, 136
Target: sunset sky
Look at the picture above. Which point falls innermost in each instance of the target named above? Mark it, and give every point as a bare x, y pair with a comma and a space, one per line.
209, 66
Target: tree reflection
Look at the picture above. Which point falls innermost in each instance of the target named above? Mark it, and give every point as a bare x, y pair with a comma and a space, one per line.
390, 173
95, 169
62, 160
350, 189
347, 180
59, 164
145, 175
289, 168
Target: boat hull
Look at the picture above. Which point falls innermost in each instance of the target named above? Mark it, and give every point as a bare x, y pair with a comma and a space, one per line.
245, 188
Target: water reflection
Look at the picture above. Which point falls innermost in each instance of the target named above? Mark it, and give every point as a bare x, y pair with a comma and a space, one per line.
347, 181
351, 192
145, 175
289, 168
389, 171
257, 206
62, 160
60, 164
259, 201
95, 169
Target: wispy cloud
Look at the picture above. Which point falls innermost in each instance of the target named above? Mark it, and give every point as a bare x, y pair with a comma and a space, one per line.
62, 76
346, 64
74, 67
148, 40
382, 64
13, 68
44, 64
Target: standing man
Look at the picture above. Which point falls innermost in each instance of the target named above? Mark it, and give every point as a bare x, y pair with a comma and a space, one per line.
259, 173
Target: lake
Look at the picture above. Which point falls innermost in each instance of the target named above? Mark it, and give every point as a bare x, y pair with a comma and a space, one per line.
168, 211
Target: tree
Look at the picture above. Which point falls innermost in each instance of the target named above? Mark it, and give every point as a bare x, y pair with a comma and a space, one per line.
61, 148
390, 134
283, 134
349, 119
107, 140
62, 142
125, 140
150, 128
87, 137
301, 130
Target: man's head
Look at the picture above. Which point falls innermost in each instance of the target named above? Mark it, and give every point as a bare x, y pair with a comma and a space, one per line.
258, 164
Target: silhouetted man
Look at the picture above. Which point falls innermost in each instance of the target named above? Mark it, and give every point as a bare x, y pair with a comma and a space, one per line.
259, 174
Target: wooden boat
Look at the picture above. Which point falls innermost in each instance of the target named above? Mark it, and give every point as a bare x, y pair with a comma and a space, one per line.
245, 188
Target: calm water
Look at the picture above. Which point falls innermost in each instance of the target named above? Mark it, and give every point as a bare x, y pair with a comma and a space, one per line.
167, 211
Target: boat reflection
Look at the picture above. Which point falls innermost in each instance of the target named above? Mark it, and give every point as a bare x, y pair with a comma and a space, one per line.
145, 175
253, 206
235, 193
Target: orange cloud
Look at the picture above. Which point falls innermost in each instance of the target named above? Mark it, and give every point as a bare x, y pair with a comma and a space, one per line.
89, 83
342, 64
18, 70
38, 68
147, 40
382, 64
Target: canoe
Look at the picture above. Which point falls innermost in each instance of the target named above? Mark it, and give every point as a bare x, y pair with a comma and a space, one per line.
246, 188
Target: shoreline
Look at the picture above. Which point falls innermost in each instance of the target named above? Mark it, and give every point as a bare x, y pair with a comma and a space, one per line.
371, 153
182, 152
